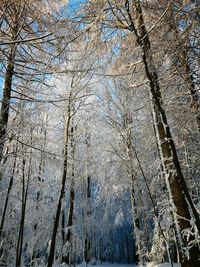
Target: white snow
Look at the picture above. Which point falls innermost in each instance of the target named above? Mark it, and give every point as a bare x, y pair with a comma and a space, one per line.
168, 265
150, 264
107, 265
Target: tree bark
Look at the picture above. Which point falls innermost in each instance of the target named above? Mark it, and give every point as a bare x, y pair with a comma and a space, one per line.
87, 248
8, 195
23, 211
68, 237
5, 106
8, 80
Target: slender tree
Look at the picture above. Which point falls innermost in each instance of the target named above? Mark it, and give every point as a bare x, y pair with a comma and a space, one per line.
64, 177
66, 257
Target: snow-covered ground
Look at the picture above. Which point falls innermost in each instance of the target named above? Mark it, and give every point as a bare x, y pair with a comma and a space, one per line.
98, 265
150, 264
105, 265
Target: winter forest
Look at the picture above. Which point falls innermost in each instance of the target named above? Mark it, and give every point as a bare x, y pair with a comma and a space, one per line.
99, 133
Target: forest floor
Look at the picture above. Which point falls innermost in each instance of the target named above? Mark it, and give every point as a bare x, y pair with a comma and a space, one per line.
150, 264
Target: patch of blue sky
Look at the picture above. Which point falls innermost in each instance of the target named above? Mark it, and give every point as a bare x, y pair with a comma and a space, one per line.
71, 8
70, 11
182, 23
114, 36
1, 86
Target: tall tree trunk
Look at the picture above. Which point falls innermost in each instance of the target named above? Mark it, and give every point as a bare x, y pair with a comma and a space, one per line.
5, 106
8, 194
63, 225
87, 252
62, 190
87, 248
176, 184
23, 210
127, 122
41, 166
68, 238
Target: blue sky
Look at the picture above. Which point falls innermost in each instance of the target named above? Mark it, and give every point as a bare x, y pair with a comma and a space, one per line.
1, 86
72, 6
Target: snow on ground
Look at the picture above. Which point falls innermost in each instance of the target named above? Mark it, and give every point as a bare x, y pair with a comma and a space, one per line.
168, 265
97, 265
108, 265
150, 264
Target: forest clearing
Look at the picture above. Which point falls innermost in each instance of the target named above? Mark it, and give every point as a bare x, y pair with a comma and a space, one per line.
100, 133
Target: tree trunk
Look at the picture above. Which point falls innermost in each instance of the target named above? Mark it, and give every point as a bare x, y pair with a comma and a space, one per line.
40, 179
23, 211
127, 122
66, 255
8, 195
87, 252
5, 106
62, 190
176, 184
63, 225
87, 249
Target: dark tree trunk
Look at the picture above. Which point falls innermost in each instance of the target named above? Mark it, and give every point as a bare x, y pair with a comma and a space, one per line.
66, 258
87, 252
63, 225
8, 195
68, 237
5, 106
62, 191
88, 234
23, 211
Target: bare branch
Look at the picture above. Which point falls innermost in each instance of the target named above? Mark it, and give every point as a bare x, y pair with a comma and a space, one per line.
26, 40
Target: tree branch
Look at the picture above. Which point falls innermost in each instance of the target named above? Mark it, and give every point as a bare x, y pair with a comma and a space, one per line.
26, 40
